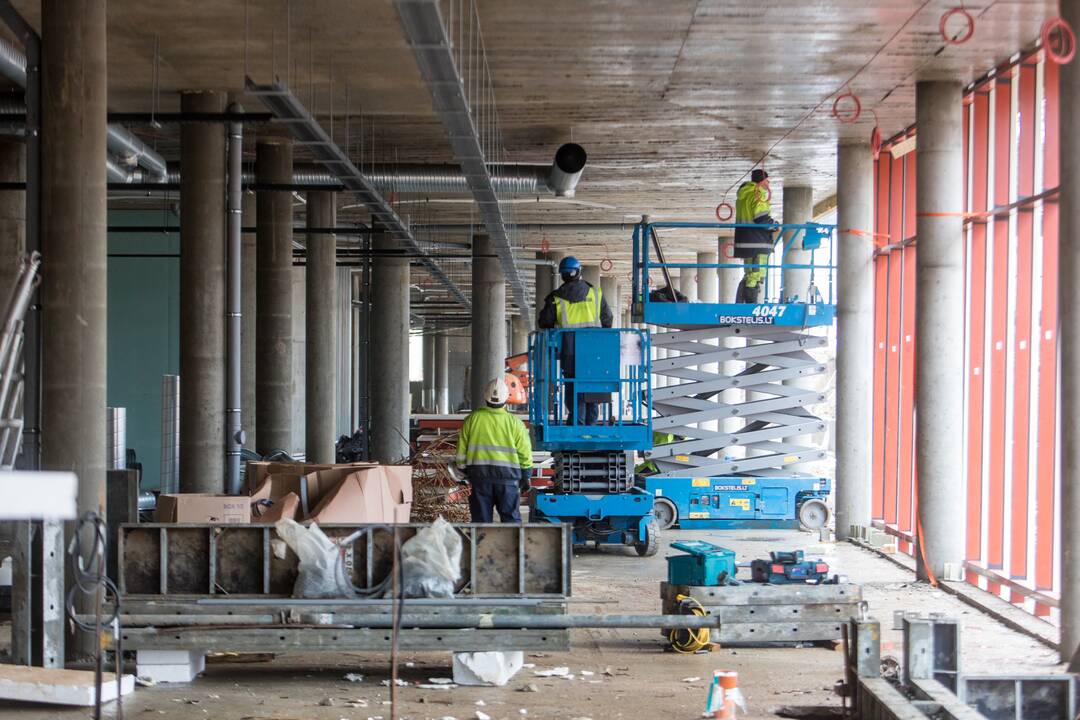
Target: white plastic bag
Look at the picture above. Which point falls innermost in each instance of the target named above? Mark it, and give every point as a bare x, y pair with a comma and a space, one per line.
321, 572
487, 668
431, 561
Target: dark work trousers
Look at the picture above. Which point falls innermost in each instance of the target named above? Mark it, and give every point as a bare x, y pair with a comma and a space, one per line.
587, 413
487, 496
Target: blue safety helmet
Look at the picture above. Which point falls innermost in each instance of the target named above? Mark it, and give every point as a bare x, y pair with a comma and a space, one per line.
569, 265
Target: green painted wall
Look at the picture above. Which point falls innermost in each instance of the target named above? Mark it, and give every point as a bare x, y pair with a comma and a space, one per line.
144, 327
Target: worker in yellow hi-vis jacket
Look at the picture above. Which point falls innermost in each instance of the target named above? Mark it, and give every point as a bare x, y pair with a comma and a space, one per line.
495, 454
753, 244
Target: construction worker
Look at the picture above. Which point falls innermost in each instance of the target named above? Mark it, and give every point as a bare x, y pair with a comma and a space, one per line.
495, 454
753, 244
648, 467
574, 304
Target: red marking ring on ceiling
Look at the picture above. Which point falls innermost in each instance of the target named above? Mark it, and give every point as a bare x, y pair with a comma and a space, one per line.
730, 212
606, 265
969, 28
875, 141
727, 248
850, 114
1058, 40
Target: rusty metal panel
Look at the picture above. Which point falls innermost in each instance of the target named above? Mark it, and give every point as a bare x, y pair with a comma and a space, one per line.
238, 560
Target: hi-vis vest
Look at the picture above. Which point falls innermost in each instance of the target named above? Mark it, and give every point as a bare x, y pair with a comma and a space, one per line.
579, 314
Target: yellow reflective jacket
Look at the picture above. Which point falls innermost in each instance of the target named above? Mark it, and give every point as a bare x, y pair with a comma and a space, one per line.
494, 445
751, 206
579, 314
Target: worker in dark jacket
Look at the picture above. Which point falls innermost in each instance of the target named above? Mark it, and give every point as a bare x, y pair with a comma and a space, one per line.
495, 454
575, 304
753, 244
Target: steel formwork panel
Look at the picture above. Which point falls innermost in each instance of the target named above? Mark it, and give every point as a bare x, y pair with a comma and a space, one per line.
207, 560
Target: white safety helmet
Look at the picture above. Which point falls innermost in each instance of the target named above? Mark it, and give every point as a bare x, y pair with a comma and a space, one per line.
496, 393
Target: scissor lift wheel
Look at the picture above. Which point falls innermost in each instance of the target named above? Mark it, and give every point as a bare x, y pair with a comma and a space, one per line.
666, 513
813, 514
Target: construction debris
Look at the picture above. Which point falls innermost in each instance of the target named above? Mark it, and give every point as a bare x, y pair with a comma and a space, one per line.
435, 492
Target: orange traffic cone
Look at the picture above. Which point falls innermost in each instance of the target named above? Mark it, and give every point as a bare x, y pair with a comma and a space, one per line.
724, 696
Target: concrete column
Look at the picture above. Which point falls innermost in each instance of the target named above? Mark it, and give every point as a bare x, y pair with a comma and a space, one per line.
274, 288
708, 291
202, 297
442, 374
854, 336
390, 354
609, 288
728, 284
798, 209
519, 339
248, 344
427, 393
488, 319
939, 324
320, 345
688, 284
359, 387
1069, 347
547, 277
73, 286
12, 216
591, 274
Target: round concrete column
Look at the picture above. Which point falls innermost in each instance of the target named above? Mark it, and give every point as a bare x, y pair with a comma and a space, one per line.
591, 274
488, 319
389, 354
442, 374
73, 244
519, 339
609, 288
939, 324
320, 345
427, 399
202, 297
547, 277
728, 279
1069, 347
798, 209
248, 346
274, 308
854, 336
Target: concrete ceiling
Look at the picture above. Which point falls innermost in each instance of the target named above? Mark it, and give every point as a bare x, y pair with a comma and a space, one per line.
673, 100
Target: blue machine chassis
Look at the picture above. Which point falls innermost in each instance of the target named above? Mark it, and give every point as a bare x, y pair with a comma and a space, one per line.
734, 502
625, 517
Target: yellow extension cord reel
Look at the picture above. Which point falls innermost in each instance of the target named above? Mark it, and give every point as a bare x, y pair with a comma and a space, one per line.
686, 640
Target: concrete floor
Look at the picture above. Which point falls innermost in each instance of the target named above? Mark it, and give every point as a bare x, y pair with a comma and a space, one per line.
632, 676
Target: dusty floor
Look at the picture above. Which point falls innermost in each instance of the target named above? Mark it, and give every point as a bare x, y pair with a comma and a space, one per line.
633, 677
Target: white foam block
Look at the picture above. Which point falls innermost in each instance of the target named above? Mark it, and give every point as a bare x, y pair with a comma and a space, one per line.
58, 687
166, 666
486, 668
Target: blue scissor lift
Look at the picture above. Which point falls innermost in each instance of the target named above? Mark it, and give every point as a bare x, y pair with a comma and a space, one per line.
730, 463
699, 481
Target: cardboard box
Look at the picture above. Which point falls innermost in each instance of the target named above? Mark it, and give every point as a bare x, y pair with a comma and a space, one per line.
286, 506
402, 512
364, 496
202, 508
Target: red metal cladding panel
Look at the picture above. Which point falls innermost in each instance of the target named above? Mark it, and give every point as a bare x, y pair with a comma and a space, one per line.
995, 519
1047, 420
906, 449
893, 419
1018, 549
881, 320
977, 327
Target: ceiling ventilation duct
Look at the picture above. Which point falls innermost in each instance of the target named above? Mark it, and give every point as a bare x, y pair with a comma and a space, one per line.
566, 171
